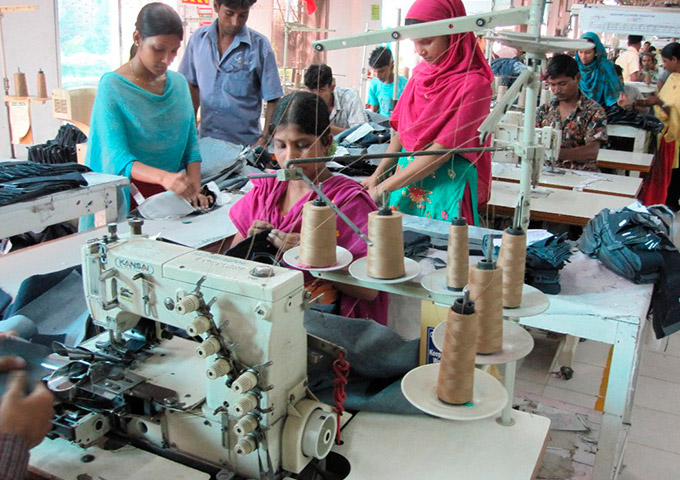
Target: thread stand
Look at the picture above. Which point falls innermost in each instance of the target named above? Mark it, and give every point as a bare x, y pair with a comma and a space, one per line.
359, 270
419, 386
343, 258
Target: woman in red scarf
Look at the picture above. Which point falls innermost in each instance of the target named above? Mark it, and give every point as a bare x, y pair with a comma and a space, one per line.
441, 108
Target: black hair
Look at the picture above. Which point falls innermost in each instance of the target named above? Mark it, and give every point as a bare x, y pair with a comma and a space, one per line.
562, 66
619, 70
412, 21
671, 50
634, 39
652, 49
307, 111
647, 54
233, 4
157, 19
380, 57
318, 76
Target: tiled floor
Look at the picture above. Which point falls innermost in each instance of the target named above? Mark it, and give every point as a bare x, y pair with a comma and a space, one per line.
653, 447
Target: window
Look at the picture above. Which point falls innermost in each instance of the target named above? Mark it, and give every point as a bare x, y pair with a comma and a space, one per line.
95, 37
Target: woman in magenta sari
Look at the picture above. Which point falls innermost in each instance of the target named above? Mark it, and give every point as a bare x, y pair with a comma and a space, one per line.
442, 106
301, 130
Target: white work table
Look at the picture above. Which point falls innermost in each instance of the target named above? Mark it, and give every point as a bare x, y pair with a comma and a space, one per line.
38, 213
553, 204
621, 160
381, 446
593, 182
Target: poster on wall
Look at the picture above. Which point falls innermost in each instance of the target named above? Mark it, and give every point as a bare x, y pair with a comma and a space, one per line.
196, 13
662, 22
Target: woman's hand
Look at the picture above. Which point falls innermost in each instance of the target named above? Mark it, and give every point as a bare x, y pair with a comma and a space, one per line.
376, 194
259, 226
180, 184
26, 416
200, 201
370, 182
284, 241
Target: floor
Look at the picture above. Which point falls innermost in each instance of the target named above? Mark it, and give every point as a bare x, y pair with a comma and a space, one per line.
653, 448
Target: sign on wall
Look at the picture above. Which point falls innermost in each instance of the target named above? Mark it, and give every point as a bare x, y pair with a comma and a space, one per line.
662, 22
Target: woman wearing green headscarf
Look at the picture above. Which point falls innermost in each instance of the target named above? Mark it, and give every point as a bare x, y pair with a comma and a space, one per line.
599, 81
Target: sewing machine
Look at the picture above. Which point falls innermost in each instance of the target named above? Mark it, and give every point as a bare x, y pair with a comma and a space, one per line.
234, 403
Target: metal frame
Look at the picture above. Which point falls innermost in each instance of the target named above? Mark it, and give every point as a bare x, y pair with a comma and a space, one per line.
536, 46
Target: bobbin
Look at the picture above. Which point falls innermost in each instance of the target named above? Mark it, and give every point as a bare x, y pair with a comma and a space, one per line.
455, 382
457, 256
385, 258
512, 259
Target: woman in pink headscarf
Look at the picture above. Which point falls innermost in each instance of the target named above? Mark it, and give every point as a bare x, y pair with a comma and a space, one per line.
441, 108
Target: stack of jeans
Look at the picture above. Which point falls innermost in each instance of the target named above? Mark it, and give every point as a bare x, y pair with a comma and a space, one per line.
545, 259
21, 181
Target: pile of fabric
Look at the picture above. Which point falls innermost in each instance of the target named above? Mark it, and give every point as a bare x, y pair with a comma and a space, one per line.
60, 150
21, 181
545, 259
636, 244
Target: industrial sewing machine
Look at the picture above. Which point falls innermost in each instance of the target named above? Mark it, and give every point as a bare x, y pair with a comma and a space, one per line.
234, 403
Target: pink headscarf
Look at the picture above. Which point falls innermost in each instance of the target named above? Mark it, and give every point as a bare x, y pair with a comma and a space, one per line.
446, 102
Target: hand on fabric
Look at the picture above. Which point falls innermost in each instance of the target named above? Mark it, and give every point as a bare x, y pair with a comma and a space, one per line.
28, 417
180, 184
200, 201
370, 182
284, 241
259, 226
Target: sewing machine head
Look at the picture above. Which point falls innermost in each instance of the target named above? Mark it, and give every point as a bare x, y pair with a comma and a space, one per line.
236, 399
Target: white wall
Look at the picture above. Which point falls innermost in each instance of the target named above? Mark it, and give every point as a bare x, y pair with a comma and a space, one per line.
349, 17
30, 41
261, 15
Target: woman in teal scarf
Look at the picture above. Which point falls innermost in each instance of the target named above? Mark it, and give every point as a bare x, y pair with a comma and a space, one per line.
599, 81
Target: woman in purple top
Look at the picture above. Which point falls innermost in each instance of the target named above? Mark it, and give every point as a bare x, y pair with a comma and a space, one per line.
302, 131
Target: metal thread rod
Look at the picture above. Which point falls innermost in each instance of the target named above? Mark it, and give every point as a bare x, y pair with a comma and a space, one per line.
395, 66
344, 217
533, 86
417, 153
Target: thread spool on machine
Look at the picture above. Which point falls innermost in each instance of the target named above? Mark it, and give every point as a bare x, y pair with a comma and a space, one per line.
318, 238
512, 259
318, 249
455, 382
486, 288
